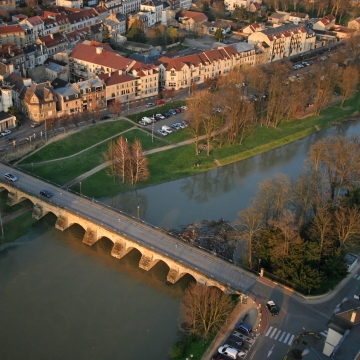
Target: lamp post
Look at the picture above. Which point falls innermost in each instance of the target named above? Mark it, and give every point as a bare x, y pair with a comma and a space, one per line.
45, 132
152, 129
2, 228
80, 187
259, 266
32, 167
138, 209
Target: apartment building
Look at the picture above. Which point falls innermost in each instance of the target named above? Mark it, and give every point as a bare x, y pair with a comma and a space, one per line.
93, 93
35, 55
12, 34
7, 5
17, 83
35, 24
155, 7
12, 54
116, 23
82, 19
103, 12
75, 4
230, 5
38, 102
68, 99
50, 27
284, 41
181, 72
148, 78
124, 7
53, 43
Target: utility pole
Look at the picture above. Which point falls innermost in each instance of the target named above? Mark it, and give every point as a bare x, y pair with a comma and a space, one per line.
2, 228
45, 132
152, 129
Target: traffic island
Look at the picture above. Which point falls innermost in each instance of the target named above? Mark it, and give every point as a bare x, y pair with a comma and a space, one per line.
307, 343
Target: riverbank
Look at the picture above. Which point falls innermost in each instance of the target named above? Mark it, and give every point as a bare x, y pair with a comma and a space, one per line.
168, 164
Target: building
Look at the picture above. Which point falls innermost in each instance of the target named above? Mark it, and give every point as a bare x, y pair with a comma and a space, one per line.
354, 24
103, 12
93, 93
38, 102
88, 60
75, 4
296, 17
12, 54
8, 5
53, 43
56, 69
124, 7
116, 23
68, 99
253, 28
326, 23
82, 19
6, 98
139, 16
192, 20
284, 41
181, 72
230, 5
62, 21
50, 27
35, 24
219, 24
35, 55
12, 34
155, 7
279, 17
17, 84
149, 78
7, 121
255, 7
185, 4
121, 87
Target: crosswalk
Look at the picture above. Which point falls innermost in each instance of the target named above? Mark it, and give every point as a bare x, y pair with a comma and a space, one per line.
279, 335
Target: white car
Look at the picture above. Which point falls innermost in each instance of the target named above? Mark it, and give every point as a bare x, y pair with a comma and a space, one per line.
160, 116
230, 351
150, 104
167, 129
176, 126
162, 132
184, 107
147, 120
5, 132
10, 177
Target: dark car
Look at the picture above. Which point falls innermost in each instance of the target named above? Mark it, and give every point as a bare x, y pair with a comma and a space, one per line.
10, 138
166, 115
272, 308
105, 117
178, 111
34, 125
46, 193
157, 118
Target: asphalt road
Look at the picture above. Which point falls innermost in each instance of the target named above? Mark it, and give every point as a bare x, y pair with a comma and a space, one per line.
138, 231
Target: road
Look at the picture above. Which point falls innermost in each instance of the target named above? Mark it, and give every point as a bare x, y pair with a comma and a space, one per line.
138, 231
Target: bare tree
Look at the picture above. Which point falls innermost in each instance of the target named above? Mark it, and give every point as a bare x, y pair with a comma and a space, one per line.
276, 102
115, 108
75, 118
172, 94
138, 164
347, 224
204, 309
348, 82
86, 115
109, 157
52, 122
298, 97
97, 113
249, 224
122, 157
65, 119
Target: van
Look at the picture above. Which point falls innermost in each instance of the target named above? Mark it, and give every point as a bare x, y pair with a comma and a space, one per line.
243, 328
167, 129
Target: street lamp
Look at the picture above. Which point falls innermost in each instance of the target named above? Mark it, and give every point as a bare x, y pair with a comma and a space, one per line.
259, 266
2, 228
80, 187
138, 209
32, 167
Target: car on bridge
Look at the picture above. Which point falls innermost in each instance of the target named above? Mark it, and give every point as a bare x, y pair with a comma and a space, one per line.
11, 177
46, 193
272, 308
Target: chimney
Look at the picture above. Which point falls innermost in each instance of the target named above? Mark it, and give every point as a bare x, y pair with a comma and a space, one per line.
120, 72
51, 35
353, 316
99, 50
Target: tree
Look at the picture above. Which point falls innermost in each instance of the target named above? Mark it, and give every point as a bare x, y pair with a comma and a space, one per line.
97, 113
203, 309
276, 102
115, 108
240, 13
138, 167
218, 34
29, 11
52, 122
218, 9
64, 120
347, 224
106, 35
136, 32
109, 157
171, 94
348, 82
249, 224
86, 115
173, 34
12, 110
75, 118
205, 6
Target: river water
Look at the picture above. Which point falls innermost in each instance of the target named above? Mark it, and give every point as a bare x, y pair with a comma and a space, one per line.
60, 299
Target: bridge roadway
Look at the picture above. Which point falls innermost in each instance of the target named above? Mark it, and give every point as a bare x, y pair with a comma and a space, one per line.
151, 237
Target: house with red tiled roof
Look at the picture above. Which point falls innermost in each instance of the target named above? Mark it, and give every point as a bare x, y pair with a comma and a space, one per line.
284, 41
35, 24
148, 76
326, 23
12, 34
296, 17
103, 12
192, 20
81, 19
253, 28
183, 71
255, 7
53, 43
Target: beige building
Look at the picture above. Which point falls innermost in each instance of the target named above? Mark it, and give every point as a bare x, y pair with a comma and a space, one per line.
39, 102
192, 20
7, 5
354, 24
181, 72
326, 23
284, 41
68, 99
75, 4
12, 34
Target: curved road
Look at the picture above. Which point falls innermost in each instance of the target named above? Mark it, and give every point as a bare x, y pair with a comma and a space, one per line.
145, 234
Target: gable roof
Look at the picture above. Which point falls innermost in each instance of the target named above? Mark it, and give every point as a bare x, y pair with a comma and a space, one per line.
35, 20
196, 16
82, 15
116, 77
326, 20
298, 15
11, 29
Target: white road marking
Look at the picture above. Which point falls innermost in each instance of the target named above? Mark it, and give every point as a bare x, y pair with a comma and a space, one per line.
273, 333
268, 332
291, 339
282, 335
287, 337
277, 335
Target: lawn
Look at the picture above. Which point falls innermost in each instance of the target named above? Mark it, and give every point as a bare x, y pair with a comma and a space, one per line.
78, 141
156, 110
62, 171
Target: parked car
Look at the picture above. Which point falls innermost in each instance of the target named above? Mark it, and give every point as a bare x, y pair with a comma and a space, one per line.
184, 107
167, 129
212, 87
230, 351
178, 111
46, 193
150, 104
185, 123
155, 117
166, 115
160, 102
162, 132
176, 126
5, 133
105, 117
172, 112
10, 177
34, 125
160, 116
243, 328
147, 120
218, 110
10, 138
272, 308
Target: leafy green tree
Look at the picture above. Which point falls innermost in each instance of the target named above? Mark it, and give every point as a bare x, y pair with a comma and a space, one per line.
106, 35
173, 34
240, 13
335, 267
12, 110
205, 6
29, 11
136, 32
218, 34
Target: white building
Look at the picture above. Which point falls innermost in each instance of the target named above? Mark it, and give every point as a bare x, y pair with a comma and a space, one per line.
230, 5
35, 24
185, 4
76, 4
154, 7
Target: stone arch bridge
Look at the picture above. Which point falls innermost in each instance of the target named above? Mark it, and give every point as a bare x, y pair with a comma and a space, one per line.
127, 233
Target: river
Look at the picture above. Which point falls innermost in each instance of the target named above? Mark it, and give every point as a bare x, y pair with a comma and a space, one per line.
60, 299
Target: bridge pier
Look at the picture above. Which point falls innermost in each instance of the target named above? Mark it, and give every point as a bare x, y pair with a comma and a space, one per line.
90, 236
119, 250
147, 262
12, 198
174, 275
